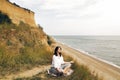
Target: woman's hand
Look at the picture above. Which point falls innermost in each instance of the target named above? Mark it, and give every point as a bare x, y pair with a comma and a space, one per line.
71, 61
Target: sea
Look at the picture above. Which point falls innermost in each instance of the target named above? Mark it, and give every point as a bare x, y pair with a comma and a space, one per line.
106, 48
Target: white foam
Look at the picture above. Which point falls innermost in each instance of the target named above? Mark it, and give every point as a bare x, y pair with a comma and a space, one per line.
93, 56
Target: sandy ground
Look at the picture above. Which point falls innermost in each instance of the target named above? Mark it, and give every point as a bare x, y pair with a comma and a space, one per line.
97, 67
27, 73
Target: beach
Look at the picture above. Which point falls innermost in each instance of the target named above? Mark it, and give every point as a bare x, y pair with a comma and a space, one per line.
98, 67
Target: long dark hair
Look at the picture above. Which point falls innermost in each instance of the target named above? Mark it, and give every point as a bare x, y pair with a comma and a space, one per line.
56, 50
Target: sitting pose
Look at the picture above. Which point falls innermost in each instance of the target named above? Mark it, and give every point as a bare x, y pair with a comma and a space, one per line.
59, 66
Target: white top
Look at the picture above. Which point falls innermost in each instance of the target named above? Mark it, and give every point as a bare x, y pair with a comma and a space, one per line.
57, 61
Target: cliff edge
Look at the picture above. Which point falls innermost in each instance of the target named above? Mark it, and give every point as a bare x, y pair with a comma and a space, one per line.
16, 13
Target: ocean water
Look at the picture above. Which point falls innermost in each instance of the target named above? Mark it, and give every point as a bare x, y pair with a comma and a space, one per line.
103, 47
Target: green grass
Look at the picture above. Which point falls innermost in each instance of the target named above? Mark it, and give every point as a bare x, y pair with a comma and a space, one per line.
4, 18
21, 48
80, 73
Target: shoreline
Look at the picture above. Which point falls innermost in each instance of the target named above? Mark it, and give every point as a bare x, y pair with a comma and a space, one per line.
97, 66
90, 55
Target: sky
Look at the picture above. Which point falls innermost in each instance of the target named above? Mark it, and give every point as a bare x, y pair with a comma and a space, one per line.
76, 17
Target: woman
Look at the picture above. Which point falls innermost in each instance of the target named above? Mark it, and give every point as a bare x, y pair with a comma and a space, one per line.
59, 66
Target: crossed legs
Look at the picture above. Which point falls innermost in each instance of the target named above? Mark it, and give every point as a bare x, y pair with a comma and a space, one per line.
66, 67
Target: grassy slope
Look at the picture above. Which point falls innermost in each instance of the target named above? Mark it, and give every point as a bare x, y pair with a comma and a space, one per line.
21, 47
80, 73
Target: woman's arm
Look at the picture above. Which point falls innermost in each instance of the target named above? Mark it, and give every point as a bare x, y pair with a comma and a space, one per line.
64, 62
68, 62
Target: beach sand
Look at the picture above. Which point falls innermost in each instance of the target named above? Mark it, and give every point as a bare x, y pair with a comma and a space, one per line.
98, 67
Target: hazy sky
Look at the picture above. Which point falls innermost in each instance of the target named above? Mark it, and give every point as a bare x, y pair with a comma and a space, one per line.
76, 17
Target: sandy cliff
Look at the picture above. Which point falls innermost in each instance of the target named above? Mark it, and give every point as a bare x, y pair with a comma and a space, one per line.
16, 13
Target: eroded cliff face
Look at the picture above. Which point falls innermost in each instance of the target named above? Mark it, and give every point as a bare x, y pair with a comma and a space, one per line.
24, 19
16, 13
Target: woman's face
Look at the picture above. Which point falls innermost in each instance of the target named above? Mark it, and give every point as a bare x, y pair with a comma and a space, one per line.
59, 50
